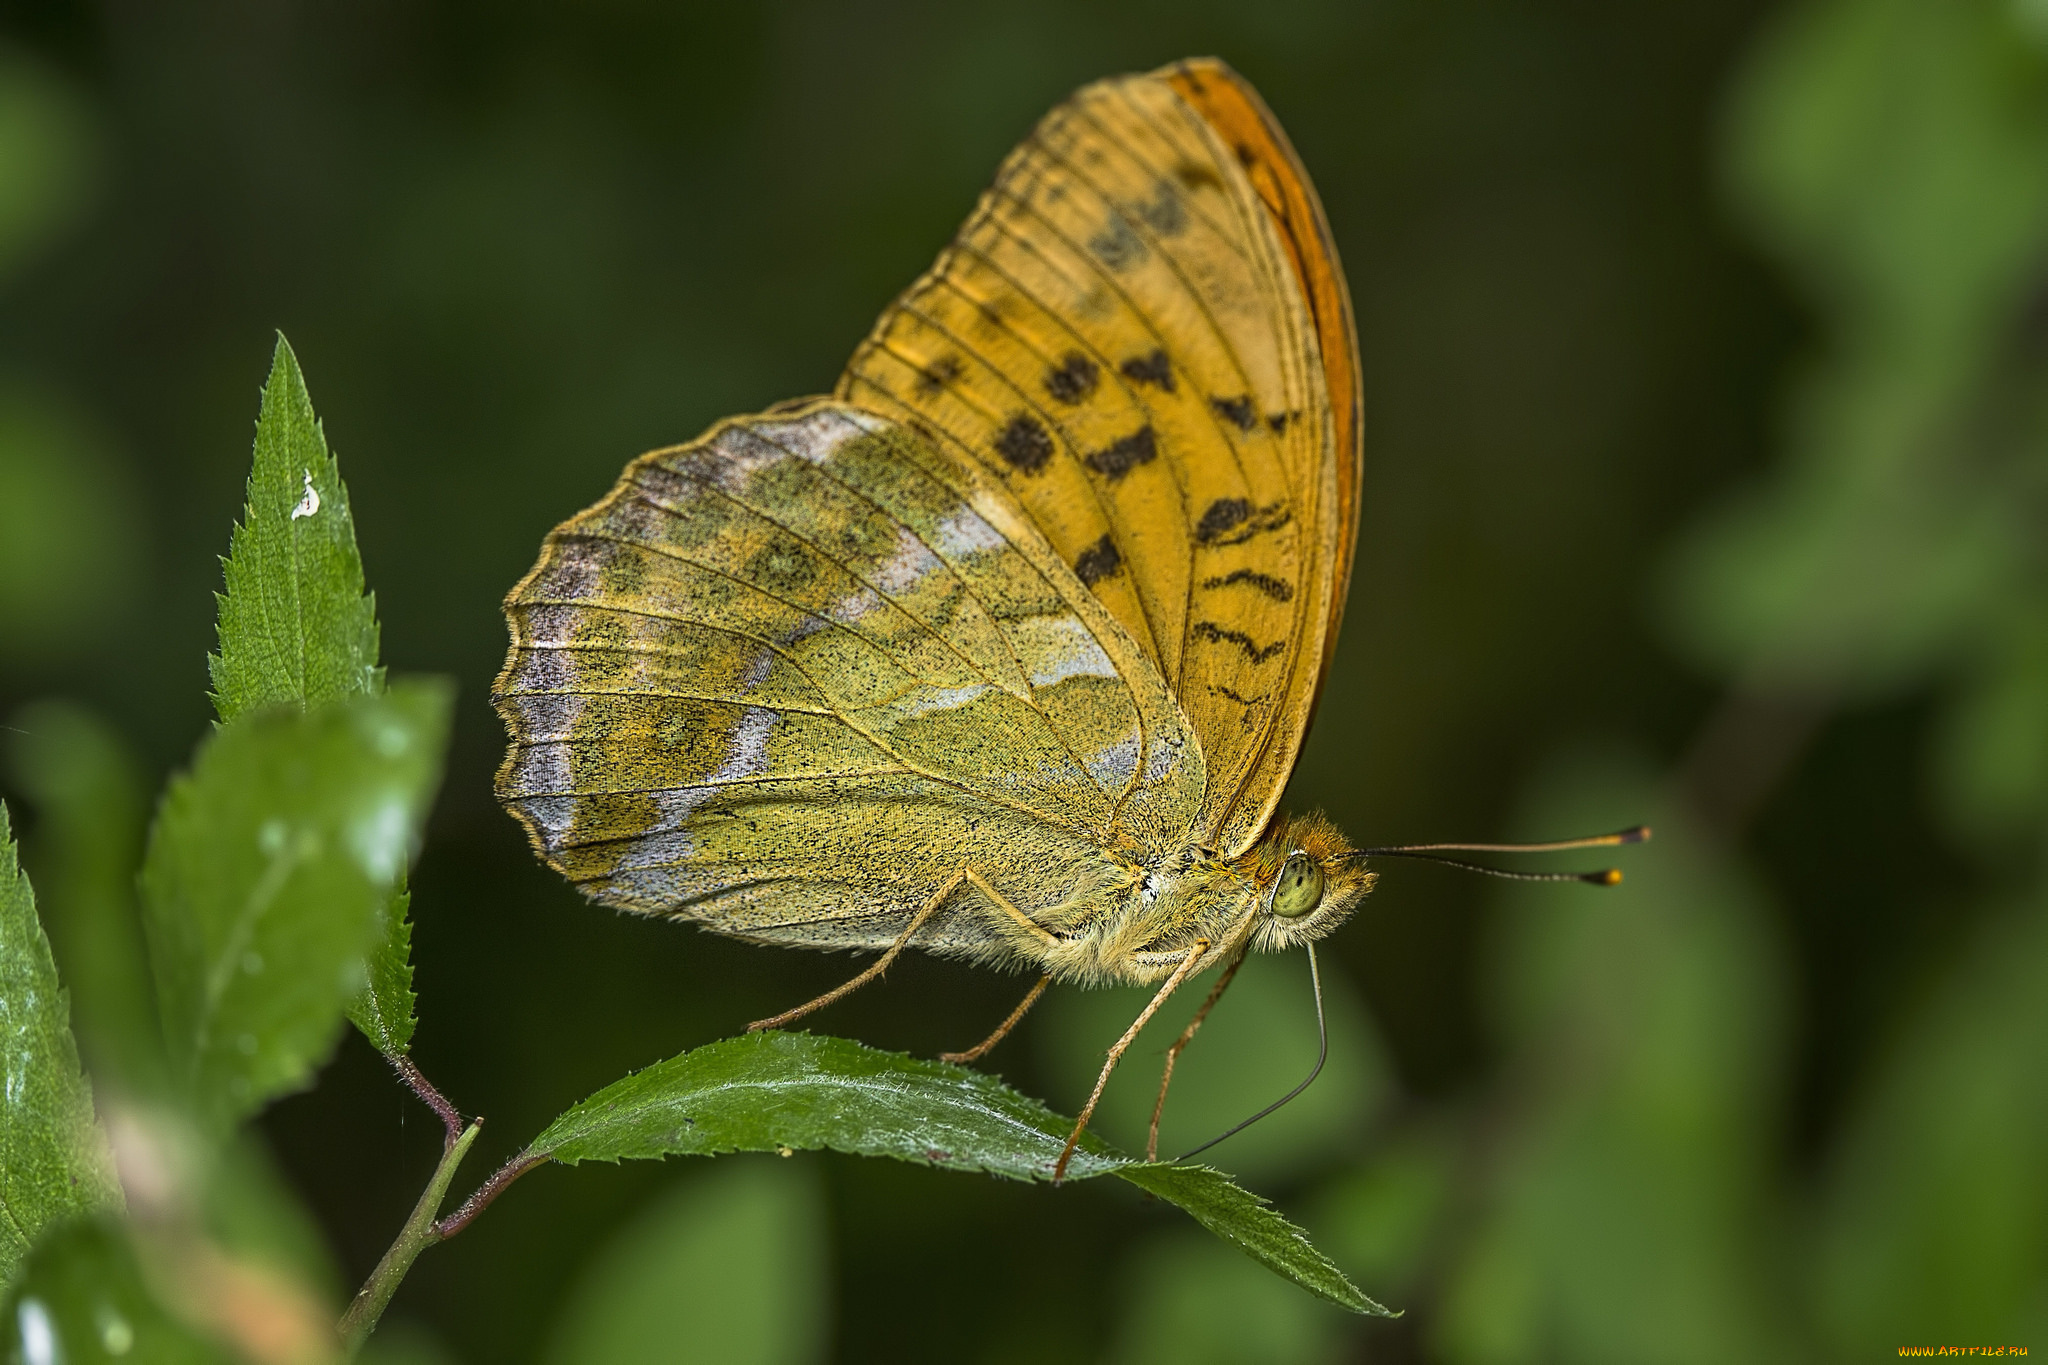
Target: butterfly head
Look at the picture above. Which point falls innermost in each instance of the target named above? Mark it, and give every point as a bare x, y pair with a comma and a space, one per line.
1308, 882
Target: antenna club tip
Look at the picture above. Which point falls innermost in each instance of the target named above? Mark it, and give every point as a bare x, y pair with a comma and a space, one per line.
1611, 877
1640, 834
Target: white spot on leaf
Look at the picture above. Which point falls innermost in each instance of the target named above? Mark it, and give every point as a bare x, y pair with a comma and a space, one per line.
309, 501
379, 840
38, 1334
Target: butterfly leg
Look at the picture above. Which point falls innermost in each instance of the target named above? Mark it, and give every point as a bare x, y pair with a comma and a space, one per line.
880, 965
1002, 1029
1180, 1044
1008, 915
1180, 974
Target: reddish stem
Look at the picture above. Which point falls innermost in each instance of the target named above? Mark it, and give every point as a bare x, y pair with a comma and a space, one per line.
451, 1117
486, 1192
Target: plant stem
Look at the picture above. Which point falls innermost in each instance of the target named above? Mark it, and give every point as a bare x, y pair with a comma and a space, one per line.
489, 1190
450, 1116
416, 1236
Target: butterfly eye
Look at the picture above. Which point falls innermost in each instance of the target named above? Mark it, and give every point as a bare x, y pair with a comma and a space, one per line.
1300, 888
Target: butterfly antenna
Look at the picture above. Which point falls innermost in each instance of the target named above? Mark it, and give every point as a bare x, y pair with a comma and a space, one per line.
1315, 977
1634, 834
1433, 853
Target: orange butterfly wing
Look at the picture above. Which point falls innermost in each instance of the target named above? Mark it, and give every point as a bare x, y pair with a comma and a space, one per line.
1144, 332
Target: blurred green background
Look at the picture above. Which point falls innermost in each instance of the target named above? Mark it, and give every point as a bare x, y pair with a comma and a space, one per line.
1706, 354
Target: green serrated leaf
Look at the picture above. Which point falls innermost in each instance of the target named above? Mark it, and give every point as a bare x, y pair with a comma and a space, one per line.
267, 879
82, 1299
383, 1011
1249, 1223
295, 623
785, 1091
53, 1160
297, 627
766, 1091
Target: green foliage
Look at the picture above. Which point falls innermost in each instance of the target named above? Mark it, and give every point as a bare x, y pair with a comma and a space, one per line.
1248, 1222
731, 1262
1937, 1206
1388, 1218
1193, 1303
1643, 1029
765, 1091
791, 1091
83, 1300
49, 157
266, 882
383, 1009
247, 1208
295, 622
1895, 158
70, 529
1891, 153
91, 809
53, 1160
298, 628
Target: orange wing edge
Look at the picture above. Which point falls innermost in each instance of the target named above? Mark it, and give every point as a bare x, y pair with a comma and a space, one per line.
1234, 110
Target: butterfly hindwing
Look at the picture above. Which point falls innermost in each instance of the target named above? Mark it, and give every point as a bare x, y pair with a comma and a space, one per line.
1123, 334
789, 678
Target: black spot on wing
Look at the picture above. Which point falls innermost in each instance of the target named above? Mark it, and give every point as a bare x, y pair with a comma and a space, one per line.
1233, 521
1194, 177
1126, 453
1154, 369
1278, 589
1073, 379
1222, 515
1251, 705
1278, 421
1164, 212
1116, 246
1025, 443
937, 375
1215, 634
1098, 561
1239, 411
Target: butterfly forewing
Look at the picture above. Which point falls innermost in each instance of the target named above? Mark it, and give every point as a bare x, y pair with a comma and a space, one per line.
1121, 333
789, 678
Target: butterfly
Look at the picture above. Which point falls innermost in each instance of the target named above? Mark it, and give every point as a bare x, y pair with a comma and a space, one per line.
1006, 649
